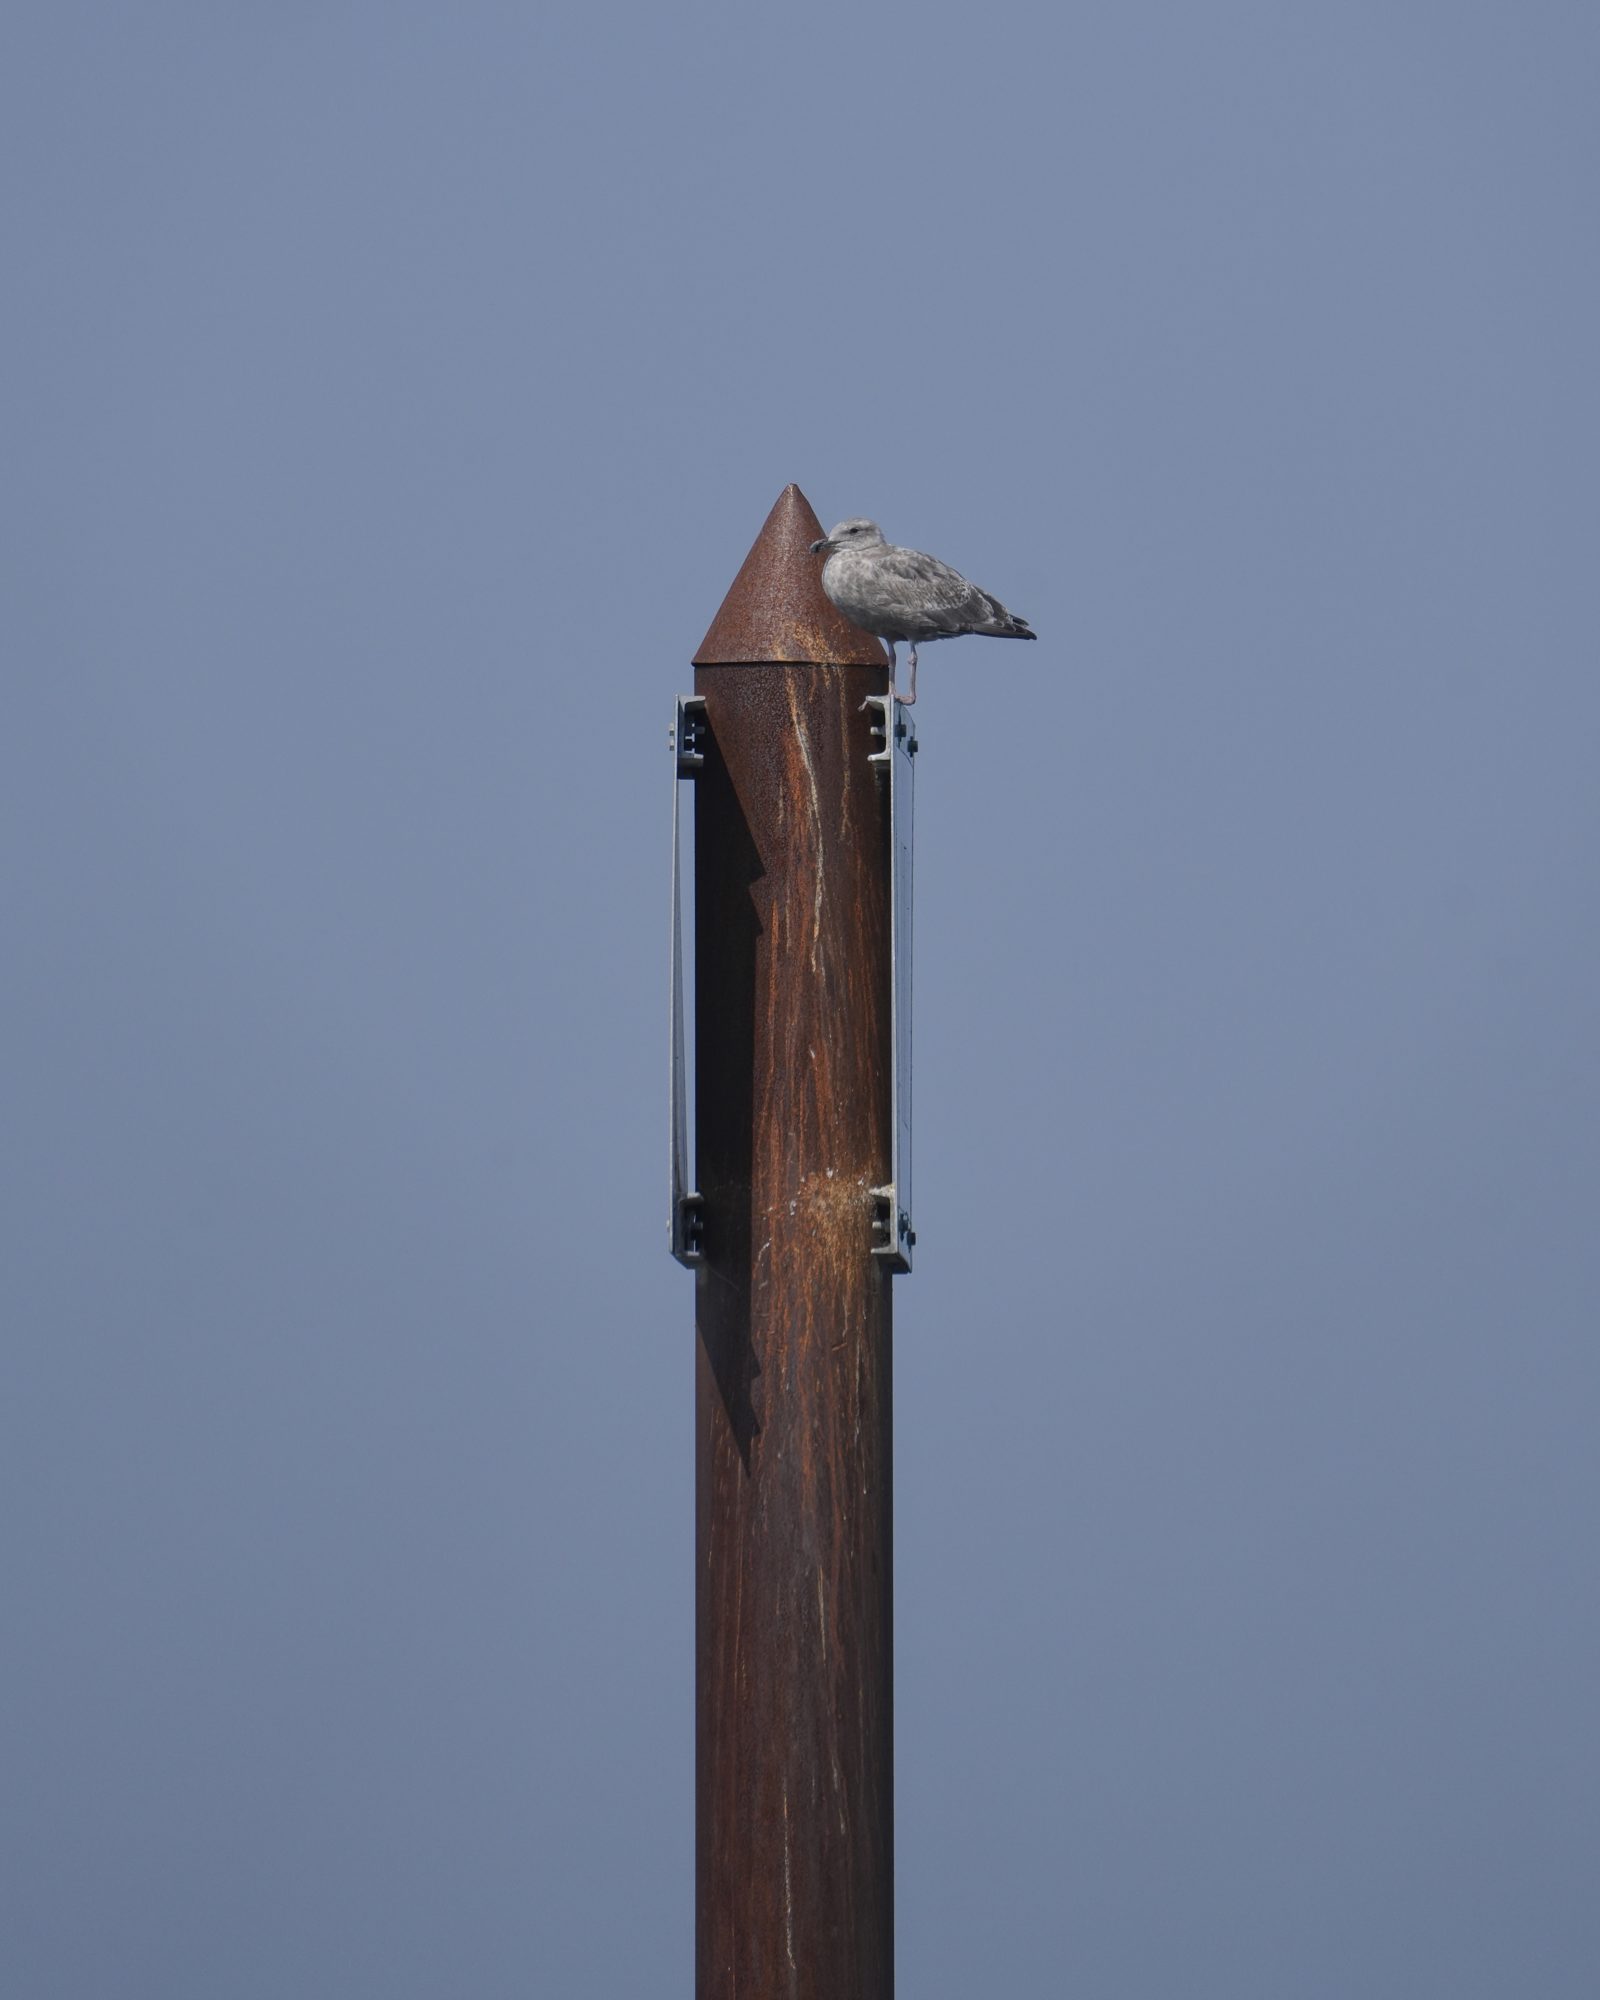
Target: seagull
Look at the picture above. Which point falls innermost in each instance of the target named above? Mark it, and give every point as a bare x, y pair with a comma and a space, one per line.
899, 593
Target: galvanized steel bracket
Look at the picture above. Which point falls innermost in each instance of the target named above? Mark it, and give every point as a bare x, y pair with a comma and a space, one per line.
686, 1216
896, 737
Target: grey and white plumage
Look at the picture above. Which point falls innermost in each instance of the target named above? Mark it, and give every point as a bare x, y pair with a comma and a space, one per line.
897, 594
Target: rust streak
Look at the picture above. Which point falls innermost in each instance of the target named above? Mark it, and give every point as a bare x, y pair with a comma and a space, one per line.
816, 823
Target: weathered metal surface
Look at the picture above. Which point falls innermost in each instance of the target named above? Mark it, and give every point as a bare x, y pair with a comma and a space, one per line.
794, 1634
776, 609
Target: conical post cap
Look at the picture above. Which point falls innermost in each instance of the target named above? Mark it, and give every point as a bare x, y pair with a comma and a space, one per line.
776, 610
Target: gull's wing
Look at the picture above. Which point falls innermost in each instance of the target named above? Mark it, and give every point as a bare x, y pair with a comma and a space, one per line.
931, 592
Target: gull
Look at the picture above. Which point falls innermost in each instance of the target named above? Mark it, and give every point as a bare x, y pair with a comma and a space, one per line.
897, 593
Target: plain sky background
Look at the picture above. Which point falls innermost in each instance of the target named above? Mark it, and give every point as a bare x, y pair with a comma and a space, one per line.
390, 394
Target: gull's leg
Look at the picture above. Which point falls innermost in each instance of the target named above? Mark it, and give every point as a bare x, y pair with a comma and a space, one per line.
911, 697
890, 644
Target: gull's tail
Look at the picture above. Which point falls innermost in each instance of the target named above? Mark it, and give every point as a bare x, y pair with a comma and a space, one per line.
1001, 623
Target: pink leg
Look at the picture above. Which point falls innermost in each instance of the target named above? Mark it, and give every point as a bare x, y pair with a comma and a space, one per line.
890, 644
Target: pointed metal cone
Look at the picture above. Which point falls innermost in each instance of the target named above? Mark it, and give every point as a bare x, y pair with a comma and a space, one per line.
776, 609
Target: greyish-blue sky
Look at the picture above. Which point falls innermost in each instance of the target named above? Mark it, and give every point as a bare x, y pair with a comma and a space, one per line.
391, 392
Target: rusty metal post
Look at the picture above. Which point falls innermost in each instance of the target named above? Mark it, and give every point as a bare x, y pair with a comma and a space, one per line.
794, 1631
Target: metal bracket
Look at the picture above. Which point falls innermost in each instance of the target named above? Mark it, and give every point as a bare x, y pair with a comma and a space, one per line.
896, 737
686, 738
686, 1217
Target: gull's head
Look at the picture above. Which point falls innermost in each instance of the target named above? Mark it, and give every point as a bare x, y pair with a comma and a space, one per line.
854, 534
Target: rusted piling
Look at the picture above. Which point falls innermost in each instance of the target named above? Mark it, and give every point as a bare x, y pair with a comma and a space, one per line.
794, 1632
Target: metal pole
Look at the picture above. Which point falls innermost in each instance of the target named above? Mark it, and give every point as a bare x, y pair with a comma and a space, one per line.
794, 1629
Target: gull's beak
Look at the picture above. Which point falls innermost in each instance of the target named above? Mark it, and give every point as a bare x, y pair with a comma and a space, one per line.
823, 547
